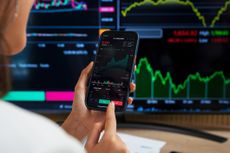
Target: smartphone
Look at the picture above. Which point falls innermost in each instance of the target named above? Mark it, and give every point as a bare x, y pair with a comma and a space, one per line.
112, 70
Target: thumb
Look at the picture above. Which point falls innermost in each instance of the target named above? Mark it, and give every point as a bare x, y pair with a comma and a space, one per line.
85, 73
110, 121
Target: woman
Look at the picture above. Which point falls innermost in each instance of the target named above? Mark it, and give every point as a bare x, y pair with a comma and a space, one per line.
22, 131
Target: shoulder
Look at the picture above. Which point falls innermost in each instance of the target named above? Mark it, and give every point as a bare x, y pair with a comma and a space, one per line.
30, 131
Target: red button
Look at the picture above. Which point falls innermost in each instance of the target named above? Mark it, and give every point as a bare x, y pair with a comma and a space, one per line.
117, 103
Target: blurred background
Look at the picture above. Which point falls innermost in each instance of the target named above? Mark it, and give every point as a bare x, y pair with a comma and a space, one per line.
183, 66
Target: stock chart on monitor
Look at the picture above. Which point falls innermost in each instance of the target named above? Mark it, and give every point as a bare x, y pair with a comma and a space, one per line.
183, 62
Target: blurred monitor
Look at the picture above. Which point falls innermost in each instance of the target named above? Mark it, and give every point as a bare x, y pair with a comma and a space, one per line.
183, 64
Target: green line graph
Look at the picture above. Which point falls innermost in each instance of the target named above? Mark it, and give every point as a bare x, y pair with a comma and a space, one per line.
113, 63
179, 2
152, 84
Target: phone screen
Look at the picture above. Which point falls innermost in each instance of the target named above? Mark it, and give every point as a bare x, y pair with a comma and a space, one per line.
112, 70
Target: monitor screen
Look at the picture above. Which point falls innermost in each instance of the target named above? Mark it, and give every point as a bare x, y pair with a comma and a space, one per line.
182, 64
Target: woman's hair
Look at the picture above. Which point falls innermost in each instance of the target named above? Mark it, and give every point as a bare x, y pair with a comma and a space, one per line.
7, 9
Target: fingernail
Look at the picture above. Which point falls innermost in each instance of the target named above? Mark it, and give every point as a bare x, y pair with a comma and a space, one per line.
112, 105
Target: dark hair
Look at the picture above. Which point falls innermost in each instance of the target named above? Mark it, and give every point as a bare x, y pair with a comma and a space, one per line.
6, 13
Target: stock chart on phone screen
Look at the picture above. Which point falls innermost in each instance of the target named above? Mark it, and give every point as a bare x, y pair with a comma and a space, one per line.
183, 62
111, 75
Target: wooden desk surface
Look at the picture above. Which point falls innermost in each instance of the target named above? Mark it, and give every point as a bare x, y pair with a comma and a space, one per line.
183, 143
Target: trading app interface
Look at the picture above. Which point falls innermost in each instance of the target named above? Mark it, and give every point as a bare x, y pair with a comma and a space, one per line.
112, 71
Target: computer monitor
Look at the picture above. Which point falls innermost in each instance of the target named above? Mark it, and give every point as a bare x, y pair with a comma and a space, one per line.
182, 65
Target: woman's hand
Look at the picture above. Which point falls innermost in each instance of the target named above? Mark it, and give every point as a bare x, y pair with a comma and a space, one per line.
81, 120
110, 142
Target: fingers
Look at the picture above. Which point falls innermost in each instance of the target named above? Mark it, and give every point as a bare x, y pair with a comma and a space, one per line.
93, 137
132, 87
110, 121
130, 100
82, 82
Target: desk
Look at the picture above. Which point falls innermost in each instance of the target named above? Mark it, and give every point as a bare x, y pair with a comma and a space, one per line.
184, 143
178, 142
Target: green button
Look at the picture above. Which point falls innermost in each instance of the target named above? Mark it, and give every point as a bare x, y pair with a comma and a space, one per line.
104, 101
